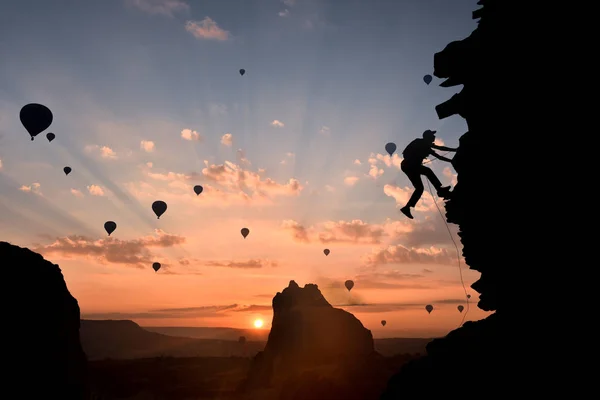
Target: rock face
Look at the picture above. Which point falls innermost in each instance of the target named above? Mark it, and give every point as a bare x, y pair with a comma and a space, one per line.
496, 101
307, 332
43, 355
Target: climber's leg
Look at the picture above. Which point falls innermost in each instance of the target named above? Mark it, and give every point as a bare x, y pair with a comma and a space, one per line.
415, 178
442, 191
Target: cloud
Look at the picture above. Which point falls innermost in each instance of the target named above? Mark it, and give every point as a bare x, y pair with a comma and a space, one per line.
284, 13
398, 254
76, 193
134, 253
103, 151
0, 163
357, 162
390, 307
232, 176
329, 188
453, 177
163, 7
401, 195
206, 29
226, 184
149, 164
95, 190
189, 134
34, 188
324, 130
351, 180
383, 280
183, 312
227, 139
249, 264
289, 3
147, 146
410, 233
278, 124
375, 172
299, 232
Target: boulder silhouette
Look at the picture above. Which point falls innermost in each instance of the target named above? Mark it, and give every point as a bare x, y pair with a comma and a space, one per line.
43, 354
306, 333
495, 354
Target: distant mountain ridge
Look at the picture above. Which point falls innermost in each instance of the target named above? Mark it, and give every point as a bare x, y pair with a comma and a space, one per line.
125, 339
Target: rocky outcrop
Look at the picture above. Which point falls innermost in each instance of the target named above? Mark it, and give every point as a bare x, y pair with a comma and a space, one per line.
497, 102
43, 355
308, 332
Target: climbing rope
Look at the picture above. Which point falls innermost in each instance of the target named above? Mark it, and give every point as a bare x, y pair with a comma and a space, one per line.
457, 252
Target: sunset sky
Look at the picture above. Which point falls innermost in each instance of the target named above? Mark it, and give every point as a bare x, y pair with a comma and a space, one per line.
148, 102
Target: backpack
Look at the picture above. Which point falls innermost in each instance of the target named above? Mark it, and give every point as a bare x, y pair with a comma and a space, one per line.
416, 150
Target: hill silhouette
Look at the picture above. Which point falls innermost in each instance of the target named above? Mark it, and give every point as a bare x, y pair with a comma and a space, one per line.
102, 339
495, 101
43, 353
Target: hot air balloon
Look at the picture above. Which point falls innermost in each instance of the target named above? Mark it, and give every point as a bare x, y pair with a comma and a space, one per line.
36, 118
429, 308
390, 148
326, 251
349, 284
427, 79
245, 232
460, 308
67, 170
468, 296
198, 189
159, 207
109, 227
242, 339
156, 266
383, 322
50, 136
242, 71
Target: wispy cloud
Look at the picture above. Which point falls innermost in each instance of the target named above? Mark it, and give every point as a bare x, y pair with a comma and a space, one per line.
34, 187
162, 7
277, 124
248, 264
206, 29
135, 253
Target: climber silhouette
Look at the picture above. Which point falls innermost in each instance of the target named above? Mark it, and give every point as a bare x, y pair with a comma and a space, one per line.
412, 166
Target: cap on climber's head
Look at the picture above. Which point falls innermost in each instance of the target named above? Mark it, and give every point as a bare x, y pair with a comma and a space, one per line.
429, 134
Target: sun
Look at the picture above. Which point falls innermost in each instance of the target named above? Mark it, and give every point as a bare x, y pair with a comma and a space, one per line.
258, 323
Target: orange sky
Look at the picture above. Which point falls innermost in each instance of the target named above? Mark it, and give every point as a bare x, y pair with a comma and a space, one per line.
292, 150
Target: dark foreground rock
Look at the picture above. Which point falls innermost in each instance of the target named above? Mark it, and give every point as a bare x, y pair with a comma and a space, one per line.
43, 356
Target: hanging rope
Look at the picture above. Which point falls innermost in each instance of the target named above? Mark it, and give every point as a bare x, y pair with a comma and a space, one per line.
457, 252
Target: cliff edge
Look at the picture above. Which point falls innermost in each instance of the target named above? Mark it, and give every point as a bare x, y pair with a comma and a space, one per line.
41, 326
494, 354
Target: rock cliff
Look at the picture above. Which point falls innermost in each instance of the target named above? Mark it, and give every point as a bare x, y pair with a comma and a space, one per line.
43, 354
487, 203
311, 341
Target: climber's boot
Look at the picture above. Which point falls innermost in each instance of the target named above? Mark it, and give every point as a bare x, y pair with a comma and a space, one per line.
444, 192
406, 211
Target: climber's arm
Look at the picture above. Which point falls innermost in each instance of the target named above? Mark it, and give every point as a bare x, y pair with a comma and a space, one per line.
440, 157
443, 148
